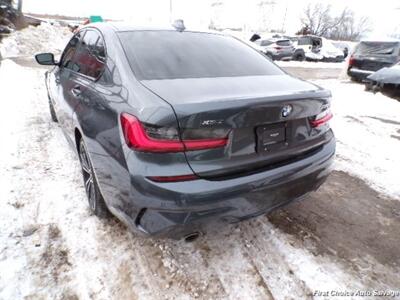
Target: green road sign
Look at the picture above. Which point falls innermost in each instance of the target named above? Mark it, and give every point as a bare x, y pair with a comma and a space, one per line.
94, 19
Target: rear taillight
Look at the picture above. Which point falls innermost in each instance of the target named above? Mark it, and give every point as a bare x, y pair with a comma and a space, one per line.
351, 61
151, 138
278, 48
321, 119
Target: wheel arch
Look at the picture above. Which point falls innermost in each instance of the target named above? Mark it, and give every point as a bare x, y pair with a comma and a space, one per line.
299, 50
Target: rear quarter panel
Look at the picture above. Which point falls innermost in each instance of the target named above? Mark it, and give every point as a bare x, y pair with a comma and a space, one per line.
97, 118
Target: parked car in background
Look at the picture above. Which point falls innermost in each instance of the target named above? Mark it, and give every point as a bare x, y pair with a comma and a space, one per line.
277, 49
178, 129
386, 80
344, 46
371, 56
314, 48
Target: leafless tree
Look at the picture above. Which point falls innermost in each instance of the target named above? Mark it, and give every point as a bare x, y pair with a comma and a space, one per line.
352, 29
318, 19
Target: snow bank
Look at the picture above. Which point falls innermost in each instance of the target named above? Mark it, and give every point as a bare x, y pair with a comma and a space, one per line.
33, 40
13, 261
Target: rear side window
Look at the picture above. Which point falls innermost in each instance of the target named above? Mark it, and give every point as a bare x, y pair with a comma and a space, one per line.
266, 43
377, 48
304, 41
284, 43
99, 49
90, 56
69, 52
173, 54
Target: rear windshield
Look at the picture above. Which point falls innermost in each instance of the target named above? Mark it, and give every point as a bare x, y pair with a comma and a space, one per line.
377, 48
172, 54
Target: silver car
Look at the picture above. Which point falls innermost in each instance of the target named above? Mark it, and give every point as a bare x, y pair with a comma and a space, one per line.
277, 49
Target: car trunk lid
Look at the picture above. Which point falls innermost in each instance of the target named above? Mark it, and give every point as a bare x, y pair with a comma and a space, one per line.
372, 63
252, 108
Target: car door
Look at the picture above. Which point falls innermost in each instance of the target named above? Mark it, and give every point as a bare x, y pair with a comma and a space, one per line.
77, 81
58, 80
85, 98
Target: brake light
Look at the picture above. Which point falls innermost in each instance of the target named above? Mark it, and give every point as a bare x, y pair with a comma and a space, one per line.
162, 140
351, 61
178, 178
278, 48
321, 119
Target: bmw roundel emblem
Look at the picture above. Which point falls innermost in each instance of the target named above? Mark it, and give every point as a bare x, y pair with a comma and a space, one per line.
287, 110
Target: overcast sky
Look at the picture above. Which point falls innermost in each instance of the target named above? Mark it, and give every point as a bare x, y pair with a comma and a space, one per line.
385, 14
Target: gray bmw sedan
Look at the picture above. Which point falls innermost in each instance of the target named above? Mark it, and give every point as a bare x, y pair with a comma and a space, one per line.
177, 129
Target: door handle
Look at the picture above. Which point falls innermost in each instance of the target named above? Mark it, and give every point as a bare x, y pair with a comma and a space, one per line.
76, 91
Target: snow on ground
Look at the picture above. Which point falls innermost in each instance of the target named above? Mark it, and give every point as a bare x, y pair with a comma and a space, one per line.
367, 127
51, 247
310, 65
33, 40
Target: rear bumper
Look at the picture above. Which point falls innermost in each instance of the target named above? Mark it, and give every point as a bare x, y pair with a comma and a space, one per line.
333, 59
175, 209
358, 73
281, 56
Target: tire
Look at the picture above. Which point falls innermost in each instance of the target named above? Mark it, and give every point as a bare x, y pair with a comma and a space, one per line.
52, 112
269, 55
95, 199
368, 87
299, 56
355, 79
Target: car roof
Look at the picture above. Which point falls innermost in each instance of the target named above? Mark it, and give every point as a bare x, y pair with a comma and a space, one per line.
274, 40
123, 26
310, 35
388, 40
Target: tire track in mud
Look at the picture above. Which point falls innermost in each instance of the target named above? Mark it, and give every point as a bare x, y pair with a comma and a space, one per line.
271, 264
222, 251
351, 223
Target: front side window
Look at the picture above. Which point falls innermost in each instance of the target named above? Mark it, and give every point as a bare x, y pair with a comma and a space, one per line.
90, 56
172, 54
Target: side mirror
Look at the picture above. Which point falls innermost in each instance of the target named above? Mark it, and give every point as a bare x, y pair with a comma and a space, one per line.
46, 59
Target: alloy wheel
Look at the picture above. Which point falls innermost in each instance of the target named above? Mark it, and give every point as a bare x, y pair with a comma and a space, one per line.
88, 178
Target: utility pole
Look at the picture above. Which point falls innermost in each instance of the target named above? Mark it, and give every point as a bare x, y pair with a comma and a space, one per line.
284, 19
170, 11
20, 6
